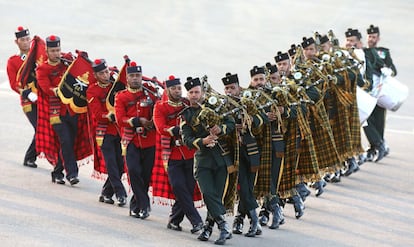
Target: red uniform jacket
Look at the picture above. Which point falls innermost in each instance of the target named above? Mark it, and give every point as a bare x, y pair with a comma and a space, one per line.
130, 104
165, 120
96, 96
48, 77
13, 65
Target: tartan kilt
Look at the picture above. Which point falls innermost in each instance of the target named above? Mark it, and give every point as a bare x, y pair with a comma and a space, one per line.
162, 192
288, 179
340, 128
307, 167
355, 127
230, 194
264, 141
325, 148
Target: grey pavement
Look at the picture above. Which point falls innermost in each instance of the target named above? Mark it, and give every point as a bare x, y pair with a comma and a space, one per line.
373, 207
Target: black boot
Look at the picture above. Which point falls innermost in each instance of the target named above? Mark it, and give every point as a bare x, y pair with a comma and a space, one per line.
207, 229
298, 205
254, 221
263, 216
238, 224
303, 191
352, 166
224, 230
381, 152
277, 217
319, 187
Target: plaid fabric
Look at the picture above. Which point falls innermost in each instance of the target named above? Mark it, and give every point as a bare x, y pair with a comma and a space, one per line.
325, 148
338, 112
354, 123
264, 140
97, 132
288, 180
230, 193
47, 143
162, 192
307, 167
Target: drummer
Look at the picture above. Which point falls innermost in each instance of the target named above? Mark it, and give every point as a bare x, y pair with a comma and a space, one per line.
380, 58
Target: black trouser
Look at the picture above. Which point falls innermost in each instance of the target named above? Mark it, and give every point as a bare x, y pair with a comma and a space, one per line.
114, 162
140, 162
212, 182
31, 151
376, 125
66, 132
180, 174
246, 182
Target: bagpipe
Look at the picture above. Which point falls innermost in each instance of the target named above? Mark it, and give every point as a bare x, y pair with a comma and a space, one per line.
74, 83
150, 85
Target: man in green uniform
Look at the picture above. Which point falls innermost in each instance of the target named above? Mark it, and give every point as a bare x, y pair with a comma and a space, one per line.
203, 133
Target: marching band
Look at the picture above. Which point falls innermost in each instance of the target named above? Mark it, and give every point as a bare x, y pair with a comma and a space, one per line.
297, 124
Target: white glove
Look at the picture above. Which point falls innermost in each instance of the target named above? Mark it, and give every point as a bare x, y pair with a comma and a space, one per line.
32, 97
386, 71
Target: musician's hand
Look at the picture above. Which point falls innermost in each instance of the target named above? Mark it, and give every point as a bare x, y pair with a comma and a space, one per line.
271, 116
215, 130
281, 109
146, 123
25, 92
32, 97
210, 140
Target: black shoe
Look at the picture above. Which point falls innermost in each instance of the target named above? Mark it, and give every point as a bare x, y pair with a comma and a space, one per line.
352, 167
197, 228
238, 225
121, 201
134, 214
298, 206
175, 227
206, 233
263, 217
259, 230
336, 178
224, 231
106, 199
74, 180
56, 179
144, 213
30, 164
319, 187
254, 222
370, 155
381, 152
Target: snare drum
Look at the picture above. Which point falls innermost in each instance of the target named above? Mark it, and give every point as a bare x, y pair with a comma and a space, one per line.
366, 104
392, 94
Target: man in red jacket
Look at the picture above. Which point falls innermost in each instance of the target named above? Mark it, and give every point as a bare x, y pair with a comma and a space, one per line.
133, 112
28, 95
107, 136
62, 134
178, 159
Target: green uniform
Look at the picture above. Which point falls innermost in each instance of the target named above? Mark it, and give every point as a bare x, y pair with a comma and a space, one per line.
210, 163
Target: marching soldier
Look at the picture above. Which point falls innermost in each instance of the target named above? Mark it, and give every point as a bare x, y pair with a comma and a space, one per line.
210, 163
381, 60
133, 113
178, 159
249, 158
271, 144
58, 121
107, 136
28, 94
